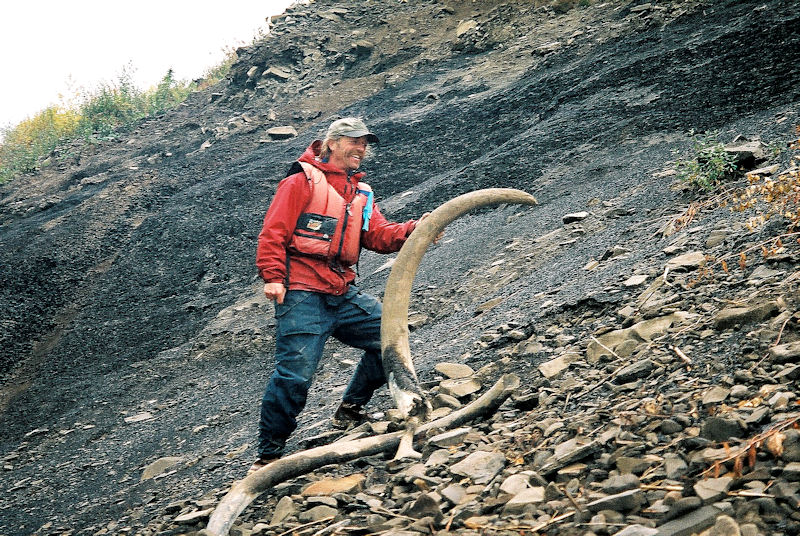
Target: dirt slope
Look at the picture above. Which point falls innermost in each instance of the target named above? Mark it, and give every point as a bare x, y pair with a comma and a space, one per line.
132, 327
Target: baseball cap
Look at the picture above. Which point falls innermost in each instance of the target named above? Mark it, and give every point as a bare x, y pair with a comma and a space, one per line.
351, 127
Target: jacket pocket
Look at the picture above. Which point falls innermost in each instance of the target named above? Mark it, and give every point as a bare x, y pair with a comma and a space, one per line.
317, 225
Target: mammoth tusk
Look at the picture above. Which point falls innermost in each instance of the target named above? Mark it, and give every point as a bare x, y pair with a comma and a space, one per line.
397, 363
244, 491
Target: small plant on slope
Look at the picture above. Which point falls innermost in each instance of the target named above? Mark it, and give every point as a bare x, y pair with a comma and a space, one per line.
710, 166
770, 196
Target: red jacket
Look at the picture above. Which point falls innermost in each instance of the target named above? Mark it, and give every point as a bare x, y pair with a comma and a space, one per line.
312, 273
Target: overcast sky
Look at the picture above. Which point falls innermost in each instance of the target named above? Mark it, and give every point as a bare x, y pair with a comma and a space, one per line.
52, 47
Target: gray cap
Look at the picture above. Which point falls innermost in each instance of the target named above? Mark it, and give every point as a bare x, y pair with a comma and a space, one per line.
352, 127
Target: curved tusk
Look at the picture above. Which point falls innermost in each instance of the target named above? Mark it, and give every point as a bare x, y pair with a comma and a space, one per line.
397, 363
244, 491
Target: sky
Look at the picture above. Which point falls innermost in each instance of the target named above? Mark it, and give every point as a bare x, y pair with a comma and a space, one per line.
50, 48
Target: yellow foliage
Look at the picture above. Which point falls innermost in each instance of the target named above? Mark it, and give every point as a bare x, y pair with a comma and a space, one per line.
50, 123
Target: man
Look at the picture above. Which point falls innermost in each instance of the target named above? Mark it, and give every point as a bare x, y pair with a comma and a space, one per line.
320, 218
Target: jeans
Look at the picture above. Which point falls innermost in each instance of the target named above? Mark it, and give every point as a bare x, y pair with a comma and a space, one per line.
305, 320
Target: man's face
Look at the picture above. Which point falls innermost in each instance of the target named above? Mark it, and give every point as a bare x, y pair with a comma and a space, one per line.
347, 153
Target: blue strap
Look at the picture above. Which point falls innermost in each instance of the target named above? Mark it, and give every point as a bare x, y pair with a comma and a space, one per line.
367, 209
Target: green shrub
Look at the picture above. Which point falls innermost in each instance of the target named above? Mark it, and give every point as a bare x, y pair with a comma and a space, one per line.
710, 165
111, 107
33, 138
97, 115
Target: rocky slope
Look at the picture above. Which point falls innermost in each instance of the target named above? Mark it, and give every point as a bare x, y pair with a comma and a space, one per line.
654, 394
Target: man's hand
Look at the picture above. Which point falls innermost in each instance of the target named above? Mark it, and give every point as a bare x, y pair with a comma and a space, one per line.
275, 291
439, 236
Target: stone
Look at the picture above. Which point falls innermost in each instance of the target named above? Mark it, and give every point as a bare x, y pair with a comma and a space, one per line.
675, 467
734, 316
597, 523
715, 395
713, 489
525, 402
552, 492
329, 486
425, 505
791, 446
681, 506
692, 523
571, 471
614, 252
454, 371
281, 133
317, 513
791, 471
460, 388
442, 400
574, 217
487, 371
489, 305
285, 508
140, 417
515, 484
721, 429
785, 353
766, 170
790, 373
528, 347
465, 26
749, 529
554, 367
516, 505
716, 238
635, 371
739, 392
417, 320
669, 427
637, 530
619, 483
454, 493
725, 526
450, 438
327, 501
687, 261
780, 400
480, 466
643, 331
624, 501
545, 49
747, 153
785, 490
762, 272
635, 280
568, 452
277, 72
628, 464
438, 457
191, 518
160, 466
363, 47
472, 522
591, 265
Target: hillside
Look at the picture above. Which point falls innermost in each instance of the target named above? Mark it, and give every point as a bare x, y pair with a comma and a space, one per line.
133, 329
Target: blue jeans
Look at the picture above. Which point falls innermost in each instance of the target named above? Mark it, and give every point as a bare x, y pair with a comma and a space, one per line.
305, 320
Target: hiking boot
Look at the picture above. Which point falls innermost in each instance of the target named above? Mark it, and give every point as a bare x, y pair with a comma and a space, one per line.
261, 462
348, 415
